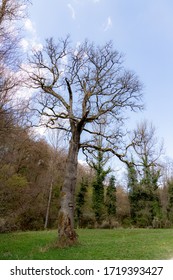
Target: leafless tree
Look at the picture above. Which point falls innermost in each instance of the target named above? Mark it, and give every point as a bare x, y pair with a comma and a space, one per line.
78, 89
11, 14
146, 153
146, 148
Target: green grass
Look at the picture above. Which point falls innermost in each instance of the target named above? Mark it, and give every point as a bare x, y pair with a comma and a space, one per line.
118, 244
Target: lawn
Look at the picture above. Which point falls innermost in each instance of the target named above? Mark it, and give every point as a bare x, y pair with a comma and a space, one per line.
117, 244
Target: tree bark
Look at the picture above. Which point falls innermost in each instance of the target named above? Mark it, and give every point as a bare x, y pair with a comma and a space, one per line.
66, 231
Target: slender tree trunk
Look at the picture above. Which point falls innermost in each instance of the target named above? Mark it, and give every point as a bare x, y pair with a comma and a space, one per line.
48, 205
67, 234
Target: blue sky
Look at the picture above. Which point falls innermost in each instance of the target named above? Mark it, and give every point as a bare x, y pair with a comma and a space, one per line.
141, 29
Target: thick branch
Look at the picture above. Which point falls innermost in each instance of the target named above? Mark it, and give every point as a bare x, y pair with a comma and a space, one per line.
50, 91
121, 157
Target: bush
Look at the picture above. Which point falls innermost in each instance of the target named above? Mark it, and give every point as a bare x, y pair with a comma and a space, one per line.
31, 221
7, 225
105, 225
156, 223
127, 222
109, 224
87, 221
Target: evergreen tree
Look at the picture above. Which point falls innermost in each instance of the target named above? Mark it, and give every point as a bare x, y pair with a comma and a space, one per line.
111, 199
143, 196
98, 186
143, 176
149, 185
170, 201
134, 191
80, 200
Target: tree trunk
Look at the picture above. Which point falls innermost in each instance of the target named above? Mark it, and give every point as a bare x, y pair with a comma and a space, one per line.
48, 204
67, 234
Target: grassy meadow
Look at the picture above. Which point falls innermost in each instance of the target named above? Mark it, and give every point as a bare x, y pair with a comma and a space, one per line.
94, 244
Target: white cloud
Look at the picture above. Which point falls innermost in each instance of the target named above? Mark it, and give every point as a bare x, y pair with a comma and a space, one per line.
72, 10
108, 24
77, 47
28, 44
82, 162
29, 26
24, 44
36, 46
31, 40
24, 92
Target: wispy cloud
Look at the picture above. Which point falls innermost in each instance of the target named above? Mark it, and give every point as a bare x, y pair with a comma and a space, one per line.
108, 24
72, 10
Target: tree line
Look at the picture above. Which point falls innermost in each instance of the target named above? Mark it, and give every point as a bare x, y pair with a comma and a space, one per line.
83, 93
32, 172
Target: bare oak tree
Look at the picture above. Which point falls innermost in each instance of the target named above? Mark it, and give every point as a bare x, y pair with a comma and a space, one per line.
77, 90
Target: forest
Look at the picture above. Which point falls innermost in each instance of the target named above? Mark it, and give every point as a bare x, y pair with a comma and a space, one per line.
39, 170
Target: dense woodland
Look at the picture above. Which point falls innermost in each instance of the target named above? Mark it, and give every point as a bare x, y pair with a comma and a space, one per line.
32, 167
